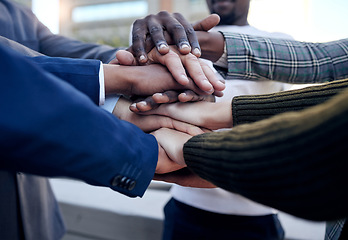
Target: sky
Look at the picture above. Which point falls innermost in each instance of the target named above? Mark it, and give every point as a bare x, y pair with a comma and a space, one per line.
305, 20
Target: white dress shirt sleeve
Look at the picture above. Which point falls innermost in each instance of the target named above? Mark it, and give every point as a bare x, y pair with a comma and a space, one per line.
109, 102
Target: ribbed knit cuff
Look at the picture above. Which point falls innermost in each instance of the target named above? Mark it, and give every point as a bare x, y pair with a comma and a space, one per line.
247, 109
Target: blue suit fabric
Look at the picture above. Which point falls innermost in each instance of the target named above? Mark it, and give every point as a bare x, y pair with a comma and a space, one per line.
51, 126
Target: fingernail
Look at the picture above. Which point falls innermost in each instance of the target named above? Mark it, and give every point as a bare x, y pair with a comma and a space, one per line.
184, 78
162, 46
143, 103
158, 94
196, 52
134, 105
207, 83
142, 58
184, 46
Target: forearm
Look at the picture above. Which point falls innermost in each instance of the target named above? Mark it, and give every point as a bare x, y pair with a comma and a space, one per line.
294, 162
212, 45
51, 129
255, 58
83, 74
252, 108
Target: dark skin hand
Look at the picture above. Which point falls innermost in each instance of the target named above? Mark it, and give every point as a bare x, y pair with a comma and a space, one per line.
201, 29
154, 101
153, 27
146, 43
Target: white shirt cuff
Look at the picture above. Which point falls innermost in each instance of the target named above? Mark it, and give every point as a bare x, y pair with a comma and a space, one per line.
101, 85
222, 61
110, 102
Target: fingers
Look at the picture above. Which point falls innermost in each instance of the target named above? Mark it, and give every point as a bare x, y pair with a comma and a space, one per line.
152, 122
207, 23
190, 129
166, 97
177, 63
196, 72
173, 62
152, 102
176, 30
124, 57
156, 26
138, 41
155, 29
172, 142
191, 35
190, 96
218, 85
164, 163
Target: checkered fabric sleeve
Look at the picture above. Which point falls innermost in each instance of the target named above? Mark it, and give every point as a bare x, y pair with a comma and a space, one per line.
257, 58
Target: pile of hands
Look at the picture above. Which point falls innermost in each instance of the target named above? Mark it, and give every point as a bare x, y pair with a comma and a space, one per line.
173, 99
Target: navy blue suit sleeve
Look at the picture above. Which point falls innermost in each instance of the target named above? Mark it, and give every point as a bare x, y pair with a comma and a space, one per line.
83, 74
49, 128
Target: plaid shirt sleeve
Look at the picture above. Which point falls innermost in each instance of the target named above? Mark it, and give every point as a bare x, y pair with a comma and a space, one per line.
257, 58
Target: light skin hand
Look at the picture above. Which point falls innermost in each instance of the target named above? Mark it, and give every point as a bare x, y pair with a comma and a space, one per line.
203, 114
164, 163
172, 143
142, 80
178, 64
152, 122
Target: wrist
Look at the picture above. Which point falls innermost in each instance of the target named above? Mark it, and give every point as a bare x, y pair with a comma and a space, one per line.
114, 79
212, 45
121, 109
222, 116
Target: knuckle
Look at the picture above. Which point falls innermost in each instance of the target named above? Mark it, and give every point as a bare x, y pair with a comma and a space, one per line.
178, 15
136, 37
150, 16
172, 54
191, 57
190, 31
139, 50
155, 29
178, 26
137, 23
163, 14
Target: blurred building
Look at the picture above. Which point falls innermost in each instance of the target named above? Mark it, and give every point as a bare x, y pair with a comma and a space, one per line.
109, 21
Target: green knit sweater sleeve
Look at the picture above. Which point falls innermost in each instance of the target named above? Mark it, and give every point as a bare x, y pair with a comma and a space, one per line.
247, 109
295, 161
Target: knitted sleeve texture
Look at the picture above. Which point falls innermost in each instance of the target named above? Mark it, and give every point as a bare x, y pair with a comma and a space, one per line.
295, 161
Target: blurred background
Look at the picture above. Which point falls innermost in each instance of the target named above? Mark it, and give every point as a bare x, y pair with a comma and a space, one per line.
95, 213
108, 21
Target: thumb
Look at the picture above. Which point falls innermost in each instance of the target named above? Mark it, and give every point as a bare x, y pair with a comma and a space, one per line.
207, 23
126, 58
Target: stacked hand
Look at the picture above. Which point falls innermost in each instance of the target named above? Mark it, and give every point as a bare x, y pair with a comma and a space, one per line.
168, 74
